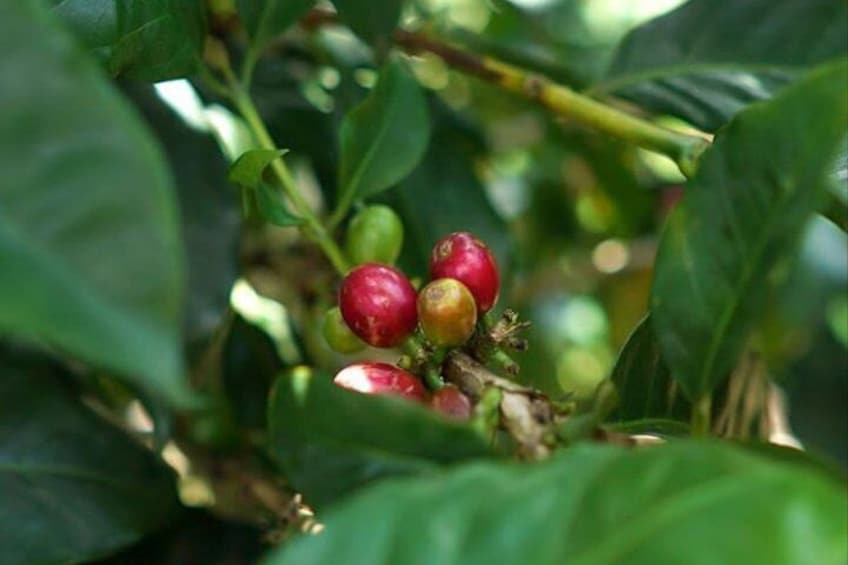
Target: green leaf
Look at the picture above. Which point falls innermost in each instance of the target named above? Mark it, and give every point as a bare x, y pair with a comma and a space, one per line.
198, 537
74, 487
150, 40
685, 502
643, 382
247, 170
385, 136
247, 173
330, 441
209, 208
839, 181
264, 19
249, 363
741, 216
89, 230
273, 209
708, 59
372, 23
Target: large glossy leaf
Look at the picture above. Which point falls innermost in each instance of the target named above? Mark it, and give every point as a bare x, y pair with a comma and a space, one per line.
263, 19
706, 60
687, 502
444, 195
372, 23
89, 242
74, 487
644, 383
742, 215
330, 441
146, 39
208, 207
385, 136
249, 363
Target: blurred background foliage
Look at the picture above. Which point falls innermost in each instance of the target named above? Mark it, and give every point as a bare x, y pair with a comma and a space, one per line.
572, 216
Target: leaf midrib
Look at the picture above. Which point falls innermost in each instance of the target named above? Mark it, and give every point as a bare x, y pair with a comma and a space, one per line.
356, 178
748, 271
686, 502
63, 472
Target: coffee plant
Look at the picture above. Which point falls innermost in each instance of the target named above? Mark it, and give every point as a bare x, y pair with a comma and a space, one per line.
424, 281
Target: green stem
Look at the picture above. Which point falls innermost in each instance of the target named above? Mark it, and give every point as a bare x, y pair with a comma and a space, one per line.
313, 228
683, 148
701, 421
433, 379
487, 412
247, 67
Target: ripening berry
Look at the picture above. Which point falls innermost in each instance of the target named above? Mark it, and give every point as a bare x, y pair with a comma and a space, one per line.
374, 235
381, 378
463, 257
451, 402
447, 312
338, 335
378, 304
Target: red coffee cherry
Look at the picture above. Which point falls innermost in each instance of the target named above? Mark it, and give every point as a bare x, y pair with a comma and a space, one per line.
451, 402
447, 312
463, 257
378, 304
381, 378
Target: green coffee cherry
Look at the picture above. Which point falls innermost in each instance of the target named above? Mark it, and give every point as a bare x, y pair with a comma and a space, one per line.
375, 235
338, 334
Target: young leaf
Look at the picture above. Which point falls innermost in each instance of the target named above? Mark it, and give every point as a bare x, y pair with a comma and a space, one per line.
247, 173
150, 40
685, 502
74, 487
384, 137
330, 441
643, 382
248, 168
742, 214
263, 19
707, 59
89, 230
372, 23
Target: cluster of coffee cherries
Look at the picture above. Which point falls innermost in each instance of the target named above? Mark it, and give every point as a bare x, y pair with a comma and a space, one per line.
380, 307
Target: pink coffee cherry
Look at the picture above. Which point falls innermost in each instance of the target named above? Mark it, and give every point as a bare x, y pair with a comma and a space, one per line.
381, 378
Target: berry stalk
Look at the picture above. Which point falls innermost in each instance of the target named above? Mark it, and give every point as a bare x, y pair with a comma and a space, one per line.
216, 56
683, 148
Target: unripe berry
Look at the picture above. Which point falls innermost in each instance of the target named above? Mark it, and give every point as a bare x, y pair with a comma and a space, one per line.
451, 402
381, 378
447, 312
338, 335
378, 304
463, 257
374, 235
